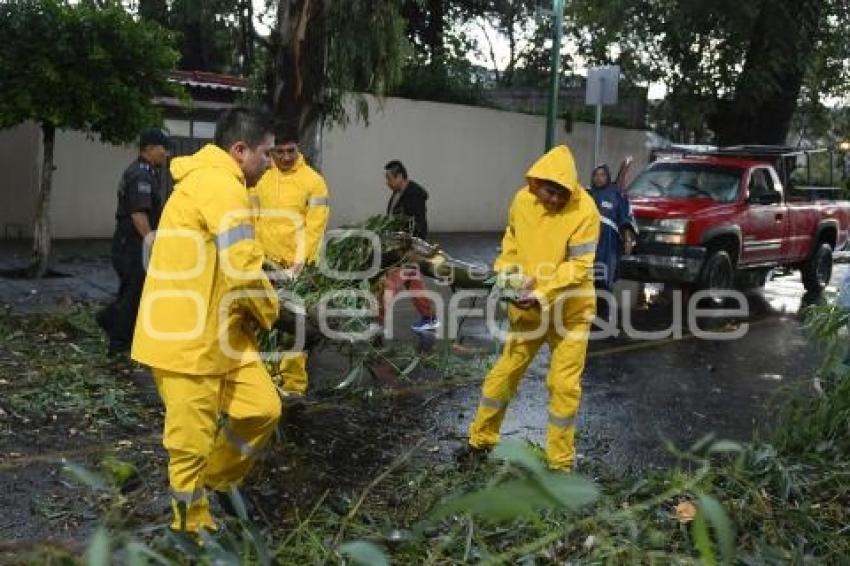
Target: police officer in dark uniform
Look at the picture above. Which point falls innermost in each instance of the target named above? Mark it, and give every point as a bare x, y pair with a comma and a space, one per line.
139, 208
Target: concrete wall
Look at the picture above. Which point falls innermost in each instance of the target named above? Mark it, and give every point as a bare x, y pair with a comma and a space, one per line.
85, 185
20, 149
471, 160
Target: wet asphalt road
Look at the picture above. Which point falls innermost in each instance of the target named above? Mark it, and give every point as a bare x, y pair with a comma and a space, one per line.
638, 394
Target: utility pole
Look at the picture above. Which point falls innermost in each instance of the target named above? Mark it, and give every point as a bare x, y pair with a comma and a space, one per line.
552, 108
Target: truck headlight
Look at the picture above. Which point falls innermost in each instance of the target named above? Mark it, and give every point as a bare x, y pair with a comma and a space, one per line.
668, 238
672, 225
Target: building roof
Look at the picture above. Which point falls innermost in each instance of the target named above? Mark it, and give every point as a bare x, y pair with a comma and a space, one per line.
215, 81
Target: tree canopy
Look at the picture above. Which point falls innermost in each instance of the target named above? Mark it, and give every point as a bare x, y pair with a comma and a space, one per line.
88, 67
735, 68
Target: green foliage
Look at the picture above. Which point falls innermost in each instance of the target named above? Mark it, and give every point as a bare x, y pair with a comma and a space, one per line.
56, 366
704, 51
82, 67
364, 554
214, 35
528, 489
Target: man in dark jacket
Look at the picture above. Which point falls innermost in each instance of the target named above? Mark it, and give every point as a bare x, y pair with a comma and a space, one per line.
137, 216
408, 199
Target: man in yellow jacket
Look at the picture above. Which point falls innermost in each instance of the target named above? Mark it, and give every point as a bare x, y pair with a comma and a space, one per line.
551, 237
292, 208
204, 295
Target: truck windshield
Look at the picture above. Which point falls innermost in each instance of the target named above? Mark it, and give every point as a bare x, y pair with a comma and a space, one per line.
687, 180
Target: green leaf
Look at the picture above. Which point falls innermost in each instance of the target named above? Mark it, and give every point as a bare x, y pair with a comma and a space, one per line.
504, 502
702, 541
352, 376
97, 553
716, 516
364, 553
572, 491
702, 443
518, 453
238, 503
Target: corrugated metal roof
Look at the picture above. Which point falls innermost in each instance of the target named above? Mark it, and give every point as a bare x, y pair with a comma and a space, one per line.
215, 81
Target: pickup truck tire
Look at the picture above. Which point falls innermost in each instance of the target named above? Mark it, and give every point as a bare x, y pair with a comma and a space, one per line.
817, 270
717, 272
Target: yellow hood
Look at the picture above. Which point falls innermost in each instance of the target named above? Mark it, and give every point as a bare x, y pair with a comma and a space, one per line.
209, 156
558, 166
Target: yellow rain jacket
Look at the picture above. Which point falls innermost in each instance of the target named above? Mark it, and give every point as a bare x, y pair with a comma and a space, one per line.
293, 210
556, 249
205, 285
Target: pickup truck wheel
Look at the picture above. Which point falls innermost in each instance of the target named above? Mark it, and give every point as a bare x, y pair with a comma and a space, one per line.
817, 270
717, 272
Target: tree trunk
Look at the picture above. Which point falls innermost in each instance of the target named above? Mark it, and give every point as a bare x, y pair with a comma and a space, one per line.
436, 23
783, 41
247, 33
41, 229
298, 78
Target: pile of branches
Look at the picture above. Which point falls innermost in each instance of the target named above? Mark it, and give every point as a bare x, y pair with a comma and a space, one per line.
346, 254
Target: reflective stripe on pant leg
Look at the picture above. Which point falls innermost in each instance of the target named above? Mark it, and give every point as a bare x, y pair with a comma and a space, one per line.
241, 445
564, 384
252, 405
498, 389
562, 422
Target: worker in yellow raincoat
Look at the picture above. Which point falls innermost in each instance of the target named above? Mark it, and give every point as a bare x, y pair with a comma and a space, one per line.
292, 208
204, 295
550, 240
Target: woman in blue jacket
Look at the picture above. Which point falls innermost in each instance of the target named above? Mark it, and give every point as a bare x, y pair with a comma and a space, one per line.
618, 230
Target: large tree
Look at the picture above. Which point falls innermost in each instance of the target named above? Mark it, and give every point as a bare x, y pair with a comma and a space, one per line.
738, 68
78, 67
321, 51
214, 35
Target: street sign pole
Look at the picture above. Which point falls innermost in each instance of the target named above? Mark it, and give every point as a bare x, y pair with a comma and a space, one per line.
598, 123
552, 108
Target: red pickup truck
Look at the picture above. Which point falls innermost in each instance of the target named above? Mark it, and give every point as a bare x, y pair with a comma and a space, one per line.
725, 218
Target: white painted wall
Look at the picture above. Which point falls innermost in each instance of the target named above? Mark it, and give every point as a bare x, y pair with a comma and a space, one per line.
19, 176
471, 160
85, 185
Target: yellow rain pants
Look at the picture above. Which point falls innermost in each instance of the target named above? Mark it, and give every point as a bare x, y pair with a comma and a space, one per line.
215, 426
563, 382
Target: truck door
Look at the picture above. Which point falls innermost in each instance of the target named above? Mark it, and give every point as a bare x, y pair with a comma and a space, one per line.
764, 229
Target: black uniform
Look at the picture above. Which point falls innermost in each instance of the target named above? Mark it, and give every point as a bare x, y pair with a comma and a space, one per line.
138, 191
